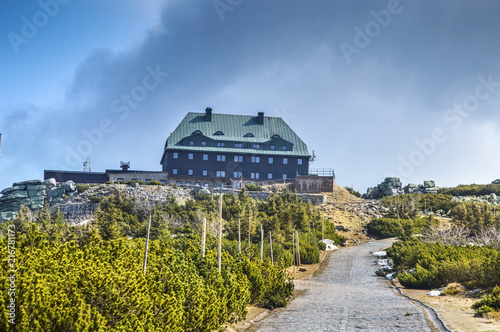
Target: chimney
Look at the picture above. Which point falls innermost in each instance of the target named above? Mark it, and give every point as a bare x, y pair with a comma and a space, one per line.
260, 118
208, 114
125, 165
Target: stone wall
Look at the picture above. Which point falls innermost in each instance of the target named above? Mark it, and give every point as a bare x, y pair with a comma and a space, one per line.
115, 176
314, 184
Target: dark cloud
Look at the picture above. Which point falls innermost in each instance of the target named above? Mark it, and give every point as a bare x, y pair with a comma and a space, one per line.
281, 57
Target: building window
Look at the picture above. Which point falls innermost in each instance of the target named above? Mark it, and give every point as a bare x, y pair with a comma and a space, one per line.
179, 183
255, 146
190, 172
283, 148
221, 157
299, 161
206, 185
238, 159
284, 176
221, 174
275, 136
248, 135
190, 156
197, 184
220, 144
273, 147
175, 155
120, 179
271, 160
254, 175
203, 143
285, 161
197, 132
238, 174
174, 171
163, 181
238, 145
205, 157
205, 172
219, 133
270, 176
148, 180
255, 160
191, 142
188, 183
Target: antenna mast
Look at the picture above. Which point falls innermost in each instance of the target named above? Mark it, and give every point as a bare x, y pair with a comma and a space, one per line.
86, 165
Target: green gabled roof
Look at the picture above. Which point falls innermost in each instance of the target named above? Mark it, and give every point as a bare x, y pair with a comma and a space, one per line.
235, 127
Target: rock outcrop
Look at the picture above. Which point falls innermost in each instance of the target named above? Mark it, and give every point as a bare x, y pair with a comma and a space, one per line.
393, 187
390, 187
33, 194
429, 187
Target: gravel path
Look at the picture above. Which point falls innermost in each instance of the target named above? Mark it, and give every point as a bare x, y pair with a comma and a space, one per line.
348, 296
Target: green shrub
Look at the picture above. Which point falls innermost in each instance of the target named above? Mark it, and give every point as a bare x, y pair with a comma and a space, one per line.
154, 183
82, 187
309, 254
384, 227
253, 187
353, 192
489, 303
95, 199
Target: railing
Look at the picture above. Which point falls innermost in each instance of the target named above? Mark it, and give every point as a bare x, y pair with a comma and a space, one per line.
321, 172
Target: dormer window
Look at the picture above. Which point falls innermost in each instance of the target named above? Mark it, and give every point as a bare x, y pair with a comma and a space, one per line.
219, 133
249, 135
275, 136
197, 132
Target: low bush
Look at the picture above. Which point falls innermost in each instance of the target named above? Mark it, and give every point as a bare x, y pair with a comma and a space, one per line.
489, 303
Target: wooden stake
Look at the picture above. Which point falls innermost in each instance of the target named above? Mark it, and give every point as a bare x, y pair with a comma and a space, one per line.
239, 236
219, 249
314, 235
261, 243
271, 242
298, 249
146, 246
293, 251
323, 229
309, 231
203, 236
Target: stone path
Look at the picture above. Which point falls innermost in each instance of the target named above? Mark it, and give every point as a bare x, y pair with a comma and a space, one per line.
348, 296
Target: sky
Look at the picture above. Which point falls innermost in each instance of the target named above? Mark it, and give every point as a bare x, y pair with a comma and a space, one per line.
376, 88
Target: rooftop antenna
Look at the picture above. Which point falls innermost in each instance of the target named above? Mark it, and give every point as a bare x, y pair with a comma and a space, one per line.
86, 165
313, 158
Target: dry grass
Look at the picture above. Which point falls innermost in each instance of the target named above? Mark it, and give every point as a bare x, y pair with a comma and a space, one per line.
455, 310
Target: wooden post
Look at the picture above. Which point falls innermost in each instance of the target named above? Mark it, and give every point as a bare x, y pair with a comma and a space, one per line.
271, 242
293, 251
239, 236
323, 229
298, 249
219, 249
309, 231
248, 229
261, 243
314, 235
147, 245
203, 236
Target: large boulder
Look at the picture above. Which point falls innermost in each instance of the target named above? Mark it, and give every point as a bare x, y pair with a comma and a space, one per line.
50, 183
34, 182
